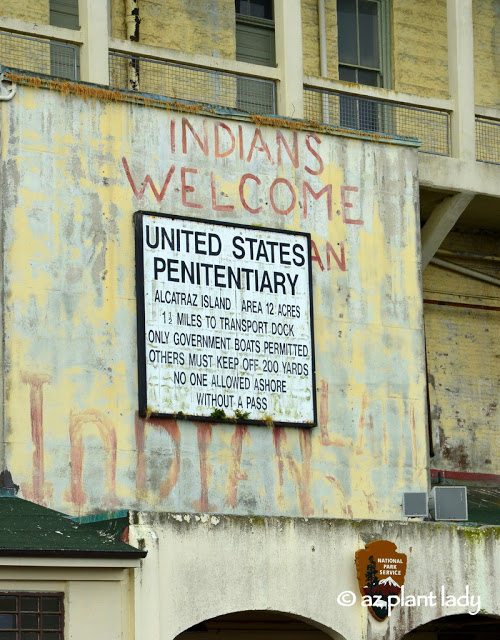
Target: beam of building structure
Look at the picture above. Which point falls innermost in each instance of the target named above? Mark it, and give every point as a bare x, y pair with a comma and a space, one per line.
94, 64
441, 222
288, 19
466, 271
461, 78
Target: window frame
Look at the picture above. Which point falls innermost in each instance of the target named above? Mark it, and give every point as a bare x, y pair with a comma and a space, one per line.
384, 46
246, 20
38, 594
249, 16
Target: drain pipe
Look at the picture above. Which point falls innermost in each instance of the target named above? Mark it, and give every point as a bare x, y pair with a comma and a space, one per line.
132, 22
466, 271
323, 56
6, 93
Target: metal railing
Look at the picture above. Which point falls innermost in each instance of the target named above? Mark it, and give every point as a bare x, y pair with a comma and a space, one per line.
431, 127
195, 84
39, 55
487, 140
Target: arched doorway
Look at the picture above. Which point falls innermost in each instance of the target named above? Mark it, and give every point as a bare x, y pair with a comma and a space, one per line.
458, 627
248, 625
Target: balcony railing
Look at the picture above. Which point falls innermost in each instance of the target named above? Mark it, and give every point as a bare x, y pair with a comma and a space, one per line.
195, 84
487, 140
431, 127
39, 55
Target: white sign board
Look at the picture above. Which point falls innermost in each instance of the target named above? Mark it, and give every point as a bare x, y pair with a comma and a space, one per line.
224, 321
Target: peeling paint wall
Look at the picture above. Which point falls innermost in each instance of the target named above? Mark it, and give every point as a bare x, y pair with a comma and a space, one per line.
75, 171
486, 17
463, 350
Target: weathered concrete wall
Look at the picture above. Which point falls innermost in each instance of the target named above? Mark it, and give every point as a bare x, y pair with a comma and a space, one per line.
486, 17
419, 41
463, 350
33, 11
74, 173
206, 566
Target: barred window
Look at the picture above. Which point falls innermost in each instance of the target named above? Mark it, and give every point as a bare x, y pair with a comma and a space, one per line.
31, 616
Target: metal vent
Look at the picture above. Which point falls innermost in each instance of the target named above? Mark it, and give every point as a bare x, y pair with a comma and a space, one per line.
415, 504
448, 503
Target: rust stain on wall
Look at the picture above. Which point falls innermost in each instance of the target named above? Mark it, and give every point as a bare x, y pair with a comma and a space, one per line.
235, 471
171, 427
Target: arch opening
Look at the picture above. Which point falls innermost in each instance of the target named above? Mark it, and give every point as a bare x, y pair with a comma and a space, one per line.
462, 626
258, 625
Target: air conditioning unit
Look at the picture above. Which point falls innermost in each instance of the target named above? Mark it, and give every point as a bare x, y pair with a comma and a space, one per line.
448, 503
415, 505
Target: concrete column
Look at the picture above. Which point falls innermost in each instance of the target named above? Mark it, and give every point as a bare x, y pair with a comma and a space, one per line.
288, 20
94, 64
461, 78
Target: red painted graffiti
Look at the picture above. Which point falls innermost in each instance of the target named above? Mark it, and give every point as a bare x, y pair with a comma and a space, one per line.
236, 474
35, 381
326, 439
300, 472
345, 507
172, 429
78, 420
204, 439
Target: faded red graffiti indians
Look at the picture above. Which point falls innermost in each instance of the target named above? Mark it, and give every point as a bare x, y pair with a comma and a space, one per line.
235, 472
35, 381
78, 420
331, 255
326, 438
204, 439
172, 429
299, 472
346, 508
214, 140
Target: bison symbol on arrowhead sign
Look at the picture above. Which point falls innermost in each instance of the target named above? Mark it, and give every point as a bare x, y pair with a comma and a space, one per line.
381, 572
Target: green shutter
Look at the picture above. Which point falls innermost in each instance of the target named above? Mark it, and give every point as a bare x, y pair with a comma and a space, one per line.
255, 44
64, 13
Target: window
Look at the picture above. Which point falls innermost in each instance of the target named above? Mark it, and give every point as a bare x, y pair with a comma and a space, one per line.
364, 58
255, 44
364, 42
31, 616
64, 57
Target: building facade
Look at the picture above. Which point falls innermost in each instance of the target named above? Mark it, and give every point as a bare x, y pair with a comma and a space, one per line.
250, 269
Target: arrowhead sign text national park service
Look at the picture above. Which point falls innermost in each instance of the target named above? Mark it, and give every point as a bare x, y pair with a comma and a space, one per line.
381, 573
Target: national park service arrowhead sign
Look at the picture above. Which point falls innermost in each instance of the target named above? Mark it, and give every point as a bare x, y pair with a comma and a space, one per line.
381, 573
